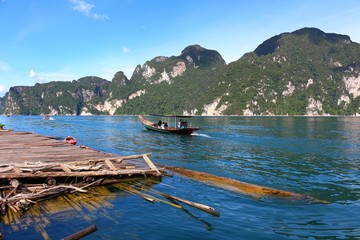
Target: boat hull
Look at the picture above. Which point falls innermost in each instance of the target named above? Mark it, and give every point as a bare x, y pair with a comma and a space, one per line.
153, 127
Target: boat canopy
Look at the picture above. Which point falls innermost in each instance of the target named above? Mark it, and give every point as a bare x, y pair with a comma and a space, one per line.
175, 116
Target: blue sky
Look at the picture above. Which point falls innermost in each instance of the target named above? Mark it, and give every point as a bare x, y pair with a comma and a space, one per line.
63, 40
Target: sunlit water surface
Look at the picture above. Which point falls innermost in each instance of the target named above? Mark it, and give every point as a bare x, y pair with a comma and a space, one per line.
316, 156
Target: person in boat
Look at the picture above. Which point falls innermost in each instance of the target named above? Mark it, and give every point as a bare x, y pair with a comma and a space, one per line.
164, 125
159, 123
180, 123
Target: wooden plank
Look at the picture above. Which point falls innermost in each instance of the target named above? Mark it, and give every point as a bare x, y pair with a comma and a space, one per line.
42, 156
83, 233
150, 163
110, 165
65, 168
17, 170
119, 173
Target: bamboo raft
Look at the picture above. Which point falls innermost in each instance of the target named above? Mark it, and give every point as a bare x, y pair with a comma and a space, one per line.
35, 167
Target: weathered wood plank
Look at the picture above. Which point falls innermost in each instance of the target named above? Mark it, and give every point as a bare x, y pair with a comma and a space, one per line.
110, 165
120, 172
19, 149
150, 163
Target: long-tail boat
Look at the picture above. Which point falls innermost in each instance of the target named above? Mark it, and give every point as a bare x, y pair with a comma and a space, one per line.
181, 127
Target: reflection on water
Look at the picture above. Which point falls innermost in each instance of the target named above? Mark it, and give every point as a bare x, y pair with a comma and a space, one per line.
316, 156
85, 207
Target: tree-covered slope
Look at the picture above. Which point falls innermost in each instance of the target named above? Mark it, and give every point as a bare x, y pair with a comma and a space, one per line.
305, 72
174, 85
66, 98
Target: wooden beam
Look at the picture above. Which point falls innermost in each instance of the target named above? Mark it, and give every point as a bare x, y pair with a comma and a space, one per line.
110, 165
65, 168
82, 233
150, 163
118, 173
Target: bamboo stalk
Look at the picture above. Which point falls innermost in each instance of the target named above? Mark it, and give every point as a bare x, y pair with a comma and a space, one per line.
145, 195
150, 164
235, 185
133, 156
110, 165
15, 183
44, 192
90, 184
83, 174
200, 206
83, 233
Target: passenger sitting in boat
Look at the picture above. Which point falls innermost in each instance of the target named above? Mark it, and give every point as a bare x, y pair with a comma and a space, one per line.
182, 124
159, 123
166, 125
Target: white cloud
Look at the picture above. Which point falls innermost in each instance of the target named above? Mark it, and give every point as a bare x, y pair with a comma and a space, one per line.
43, 77
32, 73
4, 66
82, 6
2, 89
99, 16
86, 8
125, 50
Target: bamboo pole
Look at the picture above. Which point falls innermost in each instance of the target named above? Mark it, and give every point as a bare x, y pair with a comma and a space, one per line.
235, 185
121, 172
145, 196
83, 233
200, 206
150, 164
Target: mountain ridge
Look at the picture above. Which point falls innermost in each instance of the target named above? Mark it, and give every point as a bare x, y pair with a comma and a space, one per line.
304, 72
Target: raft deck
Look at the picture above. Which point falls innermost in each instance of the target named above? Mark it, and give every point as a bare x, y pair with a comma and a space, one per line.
29, 155
34, 167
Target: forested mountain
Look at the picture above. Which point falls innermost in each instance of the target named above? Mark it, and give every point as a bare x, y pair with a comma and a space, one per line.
55, 97
305, 72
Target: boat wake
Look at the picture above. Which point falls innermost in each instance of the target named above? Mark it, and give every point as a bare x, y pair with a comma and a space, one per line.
201, 135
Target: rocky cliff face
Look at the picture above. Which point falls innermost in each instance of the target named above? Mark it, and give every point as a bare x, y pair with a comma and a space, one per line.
167, 69
305, 72
65, 98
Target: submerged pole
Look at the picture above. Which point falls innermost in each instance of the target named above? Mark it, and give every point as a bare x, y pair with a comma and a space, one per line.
82, 233
237, 186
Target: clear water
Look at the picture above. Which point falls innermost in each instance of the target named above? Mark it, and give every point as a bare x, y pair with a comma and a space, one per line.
317, 156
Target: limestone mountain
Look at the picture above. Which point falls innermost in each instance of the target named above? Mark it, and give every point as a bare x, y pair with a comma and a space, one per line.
305, 72
66, 98
201, 57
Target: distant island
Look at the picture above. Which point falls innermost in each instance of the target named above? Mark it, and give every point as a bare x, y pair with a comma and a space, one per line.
305, 72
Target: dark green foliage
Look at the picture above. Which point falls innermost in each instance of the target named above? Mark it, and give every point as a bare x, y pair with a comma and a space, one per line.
285, 75
64, 97
202, 57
